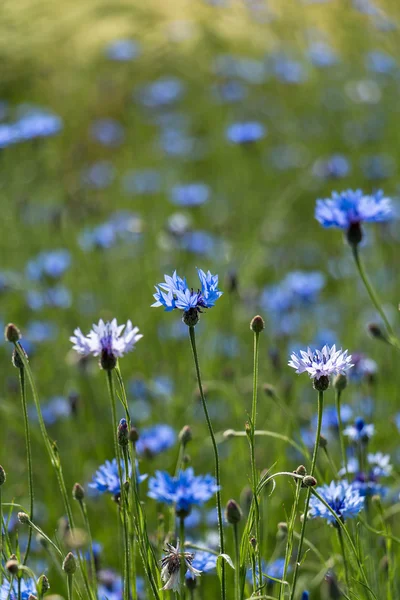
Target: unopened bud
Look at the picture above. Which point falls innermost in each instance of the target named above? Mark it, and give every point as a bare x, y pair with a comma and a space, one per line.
233, 512
12, 565
186, 459
133, 435
340, 382
257, 324
78, 493
185, 435
69, 564
23, 518
282, 531
43, 585
253, 542
16, 359
377, 332
12, 333
123, 433
3, 476
323, 442
301, 470
309, 481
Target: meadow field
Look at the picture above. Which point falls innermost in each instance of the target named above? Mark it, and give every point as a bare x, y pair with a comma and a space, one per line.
256, 140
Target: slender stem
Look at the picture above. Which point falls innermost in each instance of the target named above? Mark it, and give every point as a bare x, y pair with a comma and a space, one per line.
290, 536
183, 565
308, 494
237, 561
28, 455
371, 292
338, 395
216, 457
343, 550
82, 505
70, 586
253, 461
19, 589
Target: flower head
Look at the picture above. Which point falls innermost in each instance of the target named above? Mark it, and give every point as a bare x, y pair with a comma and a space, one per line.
321, 363
9, 591
184, 491
156, 439
106, 478
107, 340
171, 566
367, 481
360, 431
344, 498
175, 293
352, 208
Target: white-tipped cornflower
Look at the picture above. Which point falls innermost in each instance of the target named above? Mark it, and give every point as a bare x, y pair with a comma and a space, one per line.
175, 293
321, 363
360, 431
344, 498
349, 208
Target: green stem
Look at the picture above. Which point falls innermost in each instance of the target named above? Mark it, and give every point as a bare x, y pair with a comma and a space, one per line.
371, 292
70, 586
216, 458
85, 516
290, 536
182, 547
237, 561
338, 396
308, 494
2, 526
28, 455
343, 550
19, 588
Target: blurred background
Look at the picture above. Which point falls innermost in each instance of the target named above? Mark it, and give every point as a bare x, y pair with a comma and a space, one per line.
138, 138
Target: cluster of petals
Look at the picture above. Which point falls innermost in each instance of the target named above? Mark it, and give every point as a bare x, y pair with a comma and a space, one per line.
175, 293
321, 363
109, 337
343, 498
183, 491
351, 207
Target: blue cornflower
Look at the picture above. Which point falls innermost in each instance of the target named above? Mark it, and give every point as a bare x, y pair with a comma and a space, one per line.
107, 340
380, 62
106, 478
155, 439
360, 431
305, 595
162, 92
353, 208
363, 368
246, 132
48, 264
36, 123
321, 363
55, 409
344, 498
192, 194
273, 569
10, 592
203, 561
330, 417
367, 481
108, 132
146, 182
183, 491
99, 175
334, 167
174, 293
322, 55
123, 50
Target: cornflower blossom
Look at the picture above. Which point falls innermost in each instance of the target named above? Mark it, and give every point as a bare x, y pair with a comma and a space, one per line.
360, 431
9, 591
175, 293
106, 478
171, 567
107, 340
344, 499
367, 480
321, 364
246, 133
183, 491
203, 561
154, 440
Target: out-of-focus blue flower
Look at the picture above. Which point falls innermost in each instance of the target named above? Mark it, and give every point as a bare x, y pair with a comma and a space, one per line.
203, 561
32, 123
106, 478
330, 418
106, 338
305, 595
162, 385
273, 569
122, 50
144, 182
298, 288
102, 236
288, 70
56, 297
246, 132
199, 242
322, 55
250, 70
230, 91
184, 491
378, 166
367, 481
193, 520
175, 293
363, 367
192, 194
345, 500
9, 591
321, 363
177, 142
55, 409
40, 331
107, 132
353, 207
48, 264
335, 167
360, 431
110, 585
163, 92
122, 226
99, 175
156, 439
288, 156
378, 61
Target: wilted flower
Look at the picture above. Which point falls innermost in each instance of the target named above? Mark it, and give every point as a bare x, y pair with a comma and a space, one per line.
171, 566
344, 498
321, 363
106, 478
183, 491
107, 341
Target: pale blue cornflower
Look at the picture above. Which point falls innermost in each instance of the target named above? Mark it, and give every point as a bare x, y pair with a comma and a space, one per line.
183, 491
9, 591
360, 431
350, 208
203, 561
175, 293
107, 340
344, 498
156, 439
321, 363
246, 133
368, 481
106, 479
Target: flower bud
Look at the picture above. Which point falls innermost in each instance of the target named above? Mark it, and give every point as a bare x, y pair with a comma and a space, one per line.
377, 332
191, 317
257, 324
133, 435
323, 442
123, 433
12, 565
185, 435
301, 470
69, 564
321, 384
309, 481
253, 543
12, 333
42, 585
282, 531
16, 359
340, 382
23, 518
78, 493
2, 475
233, 512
